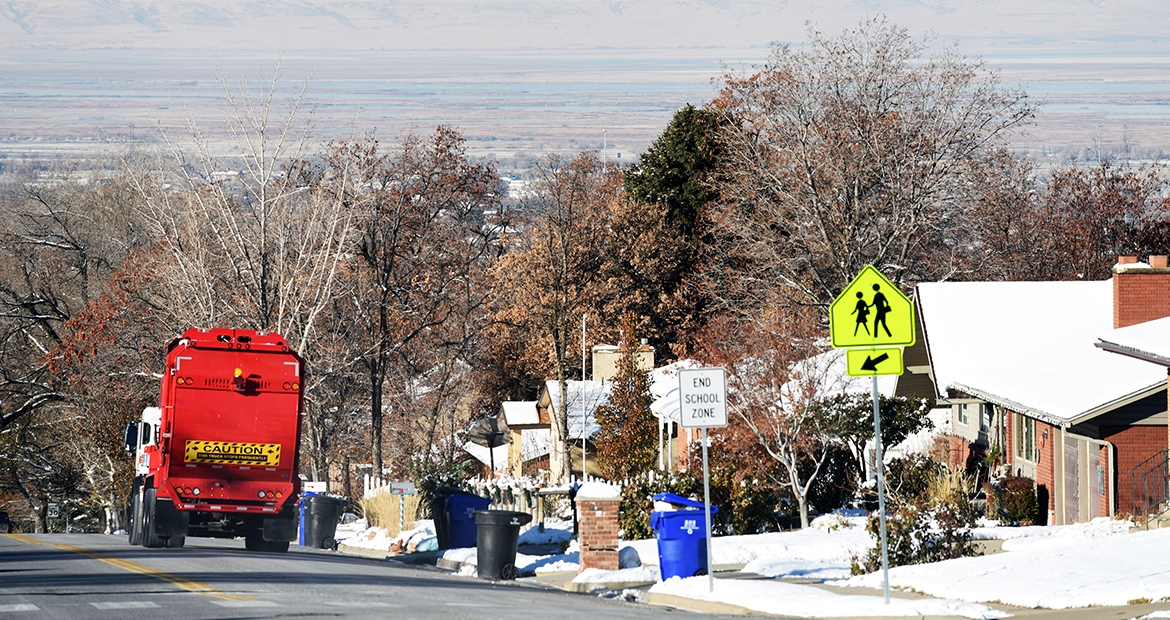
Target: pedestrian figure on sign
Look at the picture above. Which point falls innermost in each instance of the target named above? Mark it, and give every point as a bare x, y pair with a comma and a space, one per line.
881, 308
862, 312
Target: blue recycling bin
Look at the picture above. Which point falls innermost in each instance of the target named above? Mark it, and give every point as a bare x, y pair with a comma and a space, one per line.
301, 530
461, 519
681, 536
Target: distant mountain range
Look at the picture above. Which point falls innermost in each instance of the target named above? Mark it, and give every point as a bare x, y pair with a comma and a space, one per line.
1032, 27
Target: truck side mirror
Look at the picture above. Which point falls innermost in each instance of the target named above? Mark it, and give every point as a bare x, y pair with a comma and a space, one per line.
131, 436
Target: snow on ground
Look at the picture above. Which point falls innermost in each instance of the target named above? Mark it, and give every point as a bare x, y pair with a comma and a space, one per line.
555, 531
991, 530
1075, 566
420, 538
1055, 567
822, 551
640, 574
788, 599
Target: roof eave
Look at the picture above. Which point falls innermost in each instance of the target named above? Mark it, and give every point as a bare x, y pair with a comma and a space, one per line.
1007, 403
1121, 349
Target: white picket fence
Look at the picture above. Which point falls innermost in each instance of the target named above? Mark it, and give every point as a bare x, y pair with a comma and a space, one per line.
374, 485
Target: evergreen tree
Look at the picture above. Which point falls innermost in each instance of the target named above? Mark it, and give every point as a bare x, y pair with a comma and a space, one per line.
672, 172
627, 440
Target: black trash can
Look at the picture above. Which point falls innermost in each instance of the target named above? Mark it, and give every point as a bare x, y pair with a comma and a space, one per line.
319, 521
452, 510
496, 535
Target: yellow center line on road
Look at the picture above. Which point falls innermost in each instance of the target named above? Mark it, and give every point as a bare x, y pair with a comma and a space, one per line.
126, 565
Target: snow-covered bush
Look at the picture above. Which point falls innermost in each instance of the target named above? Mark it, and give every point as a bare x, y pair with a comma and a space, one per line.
934, 527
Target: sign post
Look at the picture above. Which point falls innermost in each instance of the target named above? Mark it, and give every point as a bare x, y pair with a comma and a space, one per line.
402, 489
871, 319
702, 397
52, 512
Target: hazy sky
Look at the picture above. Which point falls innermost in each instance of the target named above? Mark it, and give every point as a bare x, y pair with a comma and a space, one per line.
990, 27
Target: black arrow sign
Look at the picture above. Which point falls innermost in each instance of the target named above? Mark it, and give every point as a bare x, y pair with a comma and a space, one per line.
872, 362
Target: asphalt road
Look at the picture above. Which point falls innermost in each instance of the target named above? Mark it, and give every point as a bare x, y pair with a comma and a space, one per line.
72, 576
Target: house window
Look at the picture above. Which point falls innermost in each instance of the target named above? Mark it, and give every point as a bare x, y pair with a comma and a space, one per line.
1025, 436
985, 414
963, 418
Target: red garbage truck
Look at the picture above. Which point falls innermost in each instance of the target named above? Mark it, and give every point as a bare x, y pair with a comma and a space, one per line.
218, 456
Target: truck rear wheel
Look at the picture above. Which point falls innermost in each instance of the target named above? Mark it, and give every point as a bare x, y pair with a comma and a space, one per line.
150, 539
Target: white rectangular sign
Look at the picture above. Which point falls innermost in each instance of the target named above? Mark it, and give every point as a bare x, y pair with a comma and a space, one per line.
402, 488
702, 397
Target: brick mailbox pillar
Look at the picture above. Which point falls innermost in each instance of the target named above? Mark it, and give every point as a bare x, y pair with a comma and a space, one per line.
597, 513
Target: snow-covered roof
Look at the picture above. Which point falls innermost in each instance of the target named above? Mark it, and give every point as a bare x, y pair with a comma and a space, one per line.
580, 395
520, 412
833, 367
499, 454
664, 388
534, 443
1149, 341
1029, 346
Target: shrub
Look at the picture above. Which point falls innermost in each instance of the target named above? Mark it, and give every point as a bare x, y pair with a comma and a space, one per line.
744, 506
1014, 500
937, 526
382, 510
907, 479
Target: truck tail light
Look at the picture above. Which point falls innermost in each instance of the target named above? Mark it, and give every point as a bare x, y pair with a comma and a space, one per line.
179, 380
279, 495
260, 494
291, 385
195, 491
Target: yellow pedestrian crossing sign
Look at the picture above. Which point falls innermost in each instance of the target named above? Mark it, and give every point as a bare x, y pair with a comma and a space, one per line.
871, 312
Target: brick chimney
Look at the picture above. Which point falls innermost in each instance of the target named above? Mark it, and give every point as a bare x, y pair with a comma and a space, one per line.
1141, 291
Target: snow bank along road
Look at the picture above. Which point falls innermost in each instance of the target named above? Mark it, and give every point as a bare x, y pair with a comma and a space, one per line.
71, 576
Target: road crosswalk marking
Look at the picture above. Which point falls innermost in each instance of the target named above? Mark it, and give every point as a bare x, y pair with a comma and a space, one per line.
246, 603
18, 607
125, 605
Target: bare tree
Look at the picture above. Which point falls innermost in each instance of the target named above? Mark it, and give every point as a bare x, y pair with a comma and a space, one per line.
416, 285
847, 153
255, 240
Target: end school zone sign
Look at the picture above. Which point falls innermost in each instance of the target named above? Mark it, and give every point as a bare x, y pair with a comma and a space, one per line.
702, 397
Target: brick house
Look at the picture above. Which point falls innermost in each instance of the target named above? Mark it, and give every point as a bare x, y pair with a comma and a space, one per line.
1017, 365
1140, 334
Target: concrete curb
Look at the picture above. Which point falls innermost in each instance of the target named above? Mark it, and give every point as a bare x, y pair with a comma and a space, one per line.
362, 551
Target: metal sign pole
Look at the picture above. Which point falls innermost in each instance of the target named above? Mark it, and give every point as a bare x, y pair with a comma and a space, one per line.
707, 509
881, 483
401, 513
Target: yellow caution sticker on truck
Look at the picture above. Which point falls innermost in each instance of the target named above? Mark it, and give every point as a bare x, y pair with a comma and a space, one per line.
232, 453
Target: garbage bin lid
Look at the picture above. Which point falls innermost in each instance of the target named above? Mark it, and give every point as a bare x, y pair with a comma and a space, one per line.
679, 500
502, 517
